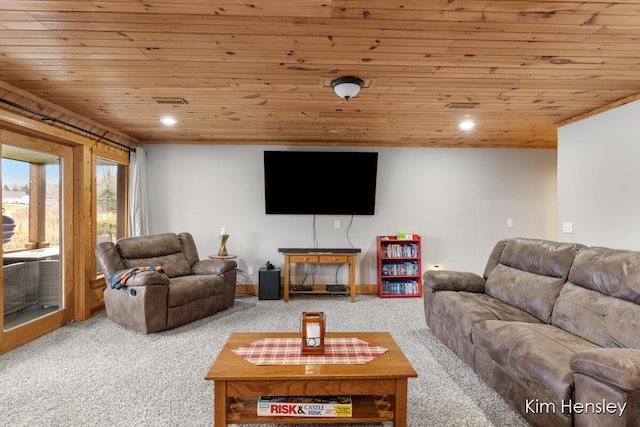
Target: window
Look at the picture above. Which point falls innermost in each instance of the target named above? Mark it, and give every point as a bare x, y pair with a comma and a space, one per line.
30, 200
32, 238
110, 204
111, 201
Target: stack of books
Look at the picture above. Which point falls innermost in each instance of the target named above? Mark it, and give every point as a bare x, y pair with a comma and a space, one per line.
305, 406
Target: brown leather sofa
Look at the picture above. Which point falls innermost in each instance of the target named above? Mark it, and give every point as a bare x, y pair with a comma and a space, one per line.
553, 327
151, 301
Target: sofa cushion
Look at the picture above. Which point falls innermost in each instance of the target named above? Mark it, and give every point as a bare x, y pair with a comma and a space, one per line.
541, 257
174, 265
185, 289
608, 271
494, 258
157, 249
529, 292
109, 258
600, 301
536, 354
189, 248
150, 246
531, 274
461, 310
601, 319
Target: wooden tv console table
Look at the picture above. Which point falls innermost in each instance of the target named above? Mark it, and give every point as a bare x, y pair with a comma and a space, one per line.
319, 256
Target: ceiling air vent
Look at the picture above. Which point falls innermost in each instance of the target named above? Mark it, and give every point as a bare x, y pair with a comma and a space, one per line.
461, 106
171, 101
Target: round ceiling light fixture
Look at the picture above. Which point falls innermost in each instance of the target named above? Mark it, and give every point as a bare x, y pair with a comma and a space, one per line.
347, 87
467, 124
168, 121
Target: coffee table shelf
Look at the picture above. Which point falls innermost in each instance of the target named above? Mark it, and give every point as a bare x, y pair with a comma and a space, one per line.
366, 409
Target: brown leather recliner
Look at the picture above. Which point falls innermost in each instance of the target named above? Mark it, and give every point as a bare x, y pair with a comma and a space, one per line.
151, 301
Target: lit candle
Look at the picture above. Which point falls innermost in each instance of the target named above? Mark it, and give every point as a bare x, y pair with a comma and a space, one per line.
223, 231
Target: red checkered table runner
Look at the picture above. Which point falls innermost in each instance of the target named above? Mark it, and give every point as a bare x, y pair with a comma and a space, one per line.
286, 351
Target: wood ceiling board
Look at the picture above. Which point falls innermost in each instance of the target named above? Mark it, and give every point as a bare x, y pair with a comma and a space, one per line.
255, 71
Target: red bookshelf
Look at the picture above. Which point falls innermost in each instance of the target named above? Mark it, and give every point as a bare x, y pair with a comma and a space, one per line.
399, 266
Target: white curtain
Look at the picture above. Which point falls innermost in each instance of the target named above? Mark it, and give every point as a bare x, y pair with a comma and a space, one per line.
138, 208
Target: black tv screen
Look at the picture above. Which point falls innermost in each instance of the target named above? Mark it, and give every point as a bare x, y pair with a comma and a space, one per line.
320, 182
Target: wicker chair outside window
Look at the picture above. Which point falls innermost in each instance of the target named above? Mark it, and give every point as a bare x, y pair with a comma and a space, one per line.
20, 286
49, 283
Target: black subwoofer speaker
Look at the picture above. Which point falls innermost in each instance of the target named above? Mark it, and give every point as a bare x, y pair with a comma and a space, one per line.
269, 283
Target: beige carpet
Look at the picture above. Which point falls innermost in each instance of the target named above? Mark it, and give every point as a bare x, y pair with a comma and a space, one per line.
95, 373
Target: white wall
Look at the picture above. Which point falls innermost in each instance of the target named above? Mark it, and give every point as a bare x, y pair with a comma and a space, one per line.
458, 200
599, 178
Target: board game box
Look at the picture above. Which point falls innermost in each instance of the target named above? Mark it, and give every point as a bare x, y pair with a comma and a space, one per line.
305, 406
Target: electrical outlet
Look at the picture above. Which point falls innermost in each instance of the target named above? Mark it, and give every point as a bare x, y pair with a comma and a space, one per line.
567, 227
336, 224
509, 222
250, 271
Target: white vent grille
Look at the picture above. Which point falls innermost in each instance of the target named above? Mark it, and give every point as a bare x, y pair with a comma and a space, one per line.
171, 101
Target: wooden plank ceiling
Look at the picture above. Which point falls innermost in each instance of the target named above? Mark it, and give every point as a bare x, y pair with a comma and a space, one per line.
257, 72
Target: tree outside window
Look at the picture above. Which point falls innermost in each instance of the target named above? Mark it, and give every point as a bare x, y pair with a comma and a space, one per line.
107, 201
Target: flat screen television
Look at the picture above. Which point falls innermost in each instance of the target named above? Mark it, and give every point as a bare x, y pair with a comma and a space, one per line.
320, 182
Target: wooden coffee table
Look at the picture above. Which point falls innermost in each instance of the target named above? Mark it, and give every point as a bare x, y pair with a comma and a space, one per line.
378, 388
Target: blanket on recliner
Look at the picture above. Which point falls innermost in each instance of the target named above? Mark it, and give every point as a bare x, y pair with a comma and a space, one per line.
119, 279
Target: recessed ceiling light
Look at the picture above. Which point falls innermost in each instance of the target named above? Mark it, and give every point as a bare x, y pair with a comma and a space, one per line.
466, 124
168, 121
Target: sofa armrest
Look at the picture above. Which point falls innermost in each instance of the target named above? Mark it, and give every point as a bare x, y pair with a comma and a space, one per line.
213, 266
617, 366
443, 280
146, 278
138, 276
